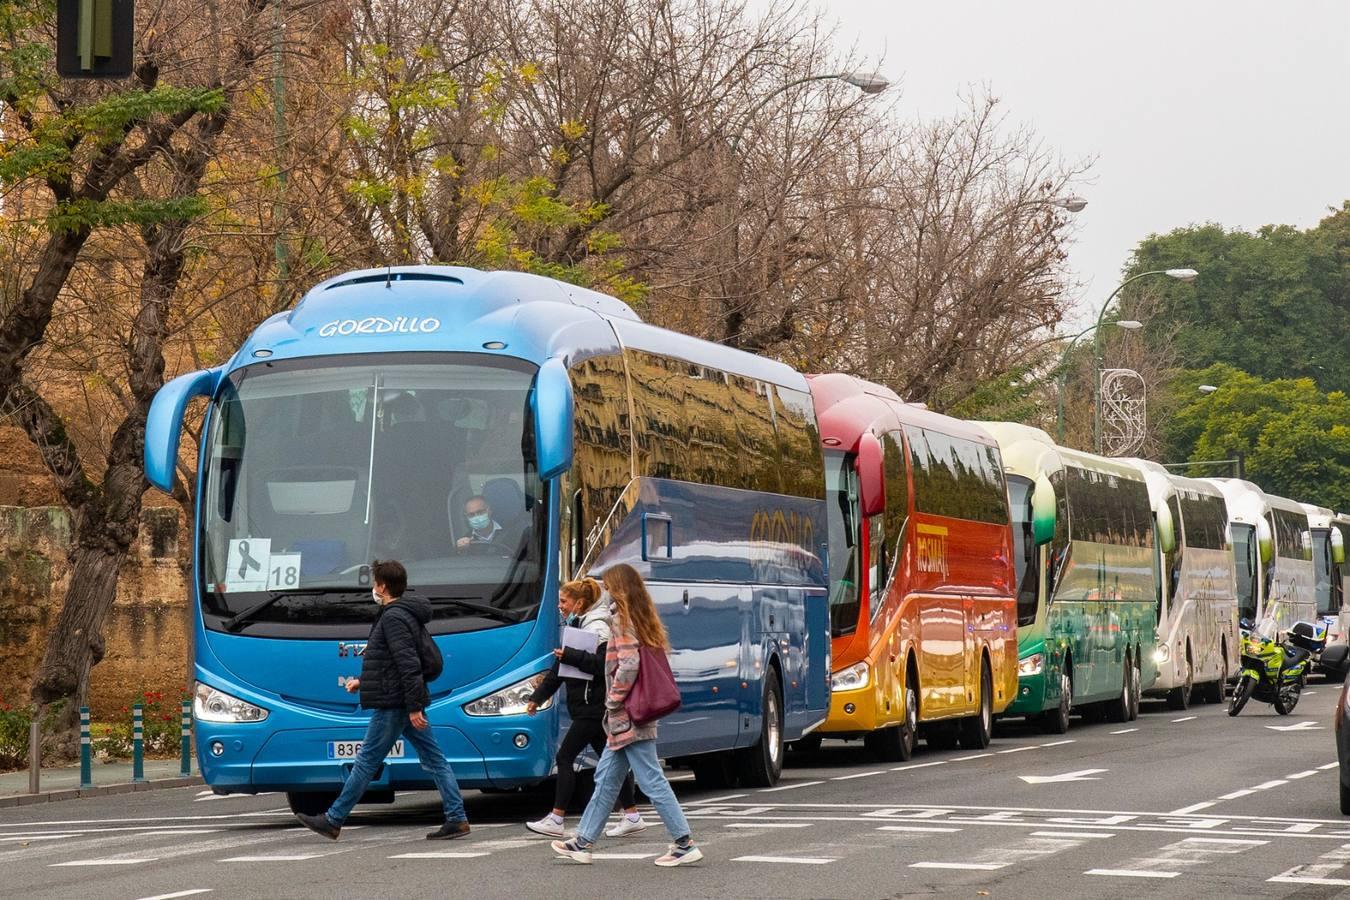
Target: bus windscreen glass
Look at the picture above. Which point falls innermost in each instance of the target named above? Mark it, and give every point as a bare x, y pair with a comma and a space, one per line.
1244, 555
841, 492
317, 467
1024, 548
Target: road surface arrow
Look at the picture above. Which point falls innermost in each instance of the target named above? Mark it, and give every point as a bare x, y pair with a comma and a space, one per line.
1297, 726
1067, 776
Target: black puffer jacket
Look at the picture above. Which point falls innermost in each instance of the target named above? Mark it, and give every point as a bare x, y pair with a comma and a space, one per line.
585, 699
391, 670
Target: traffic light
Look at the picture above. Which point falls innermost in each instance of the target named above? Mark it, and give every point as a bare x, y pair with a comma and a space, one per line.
94, 38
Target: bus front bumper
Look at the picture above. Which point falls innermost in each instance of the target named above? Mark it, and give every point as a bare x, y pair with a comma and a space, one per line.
246, 759
1031, 696
855, 712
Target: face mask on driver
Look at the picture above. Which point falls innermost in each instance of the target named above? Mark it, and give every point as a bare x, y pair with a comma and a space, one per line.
479, 522
375, 595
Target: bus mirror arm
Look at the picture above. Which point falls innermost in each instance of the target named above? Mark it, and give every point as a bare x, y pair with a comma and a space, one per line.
164, 423
552, 407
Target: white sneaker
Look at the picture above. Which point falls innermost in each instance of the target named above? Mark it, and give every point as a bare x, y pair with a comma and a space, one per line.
626, 826
547, 826
680, 856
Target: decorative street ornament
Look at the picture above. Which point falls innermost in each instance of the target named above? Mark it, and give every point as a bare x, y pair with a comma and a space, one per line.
1124, 412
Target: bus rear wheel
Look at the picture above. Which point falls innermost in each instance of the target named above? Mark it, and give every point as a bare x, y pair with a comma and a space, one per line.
978, 730
310, 803
1056, 721
762, 764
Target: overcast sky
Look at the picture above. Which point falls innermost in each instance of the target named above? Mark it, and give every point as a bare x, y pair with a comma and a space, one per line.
1196, 110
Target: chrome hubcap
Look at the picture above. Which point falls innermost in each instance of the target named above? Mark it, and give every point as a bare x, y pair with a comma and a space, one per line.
773, 728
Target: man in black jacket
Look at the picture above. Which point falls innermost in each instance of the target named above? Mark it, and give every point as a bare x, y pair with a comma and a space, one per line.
393, 689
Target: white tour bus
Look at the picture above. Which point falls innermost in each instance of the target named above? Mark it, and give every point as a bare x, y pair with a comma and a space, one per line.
1328, 552
1198, 642
1272, 548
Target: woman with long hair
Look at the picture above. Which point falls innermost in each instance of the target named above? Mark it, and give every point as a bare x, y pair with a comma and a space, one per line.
630, 747
580, 605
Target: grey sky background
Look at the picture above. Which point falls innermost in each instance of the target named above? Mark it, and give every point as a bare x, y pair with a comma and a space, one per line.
1195, 110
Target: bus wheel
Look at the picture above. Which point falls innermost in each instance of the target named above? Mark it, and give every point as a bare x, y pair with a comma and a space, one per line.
1118, 709
1056, 721
763, 763
976, 731
1180, 697
1136, 686
310, 803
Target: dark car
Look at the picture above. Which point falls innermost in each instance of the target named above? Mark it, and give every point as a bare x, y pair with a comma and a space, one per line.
1343, 747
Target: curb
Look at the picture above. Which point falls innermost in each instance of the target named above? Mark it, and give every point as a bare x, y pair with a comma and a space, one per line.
99, 790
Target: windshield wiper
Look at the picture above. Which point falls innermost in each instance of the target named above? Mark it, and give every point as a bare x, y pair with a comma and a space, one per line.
239, 619
484, 609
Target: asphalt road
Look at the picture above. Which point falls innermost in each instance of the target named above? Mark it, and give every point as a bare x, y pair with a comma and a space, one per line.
1191, 804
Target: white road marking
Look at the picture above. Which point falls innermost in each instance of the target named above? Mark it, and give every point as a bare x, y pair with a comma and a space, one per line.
968, 758
1334, 765
1298, 879
1308, 693
1020, 749
720, 799
1080, 775
289, 857
980, 867
110, 861
190, 893
1265, 786
937, 762
1236, 794
792, 860
175, 832
790, 787
1230, 841
1298, 775
932, 829
1319, 872
39, 837
1297, 726
1185, 719
856, 775
440, 854
1060, 743
770, 824
1074, 834
1132, 873
1193, 808
1125, 731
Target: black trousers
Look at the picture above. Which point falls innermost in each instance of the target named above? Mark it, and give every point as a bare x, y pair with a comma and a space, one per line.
581, 734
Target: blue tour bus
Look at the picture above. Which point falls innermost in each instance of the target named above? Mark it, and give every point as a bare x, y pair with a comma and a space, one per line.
358, 424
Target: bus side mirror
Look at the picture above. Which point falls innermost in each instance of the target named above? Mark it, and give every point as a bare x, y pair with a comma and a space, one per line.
1264, 541
164, 424
1306, 543
1337, 546
871, 483
552, 407
1043, 511
1167, 529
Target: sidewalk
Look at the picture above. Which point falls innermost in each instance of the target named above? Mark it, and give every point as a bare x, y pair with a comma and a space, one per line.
63, 783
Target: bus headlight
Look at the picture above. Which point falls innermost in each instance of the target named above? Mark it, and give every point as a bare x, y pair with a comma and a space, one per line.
509, 701
1032, 665
1162, 654
211, 705
853, 678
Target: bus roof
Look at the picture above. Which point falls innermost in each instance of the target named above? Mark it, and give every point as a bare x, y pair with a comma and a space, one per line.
1247, 503
1318, 516
1163, 484
847, 406
1028, 451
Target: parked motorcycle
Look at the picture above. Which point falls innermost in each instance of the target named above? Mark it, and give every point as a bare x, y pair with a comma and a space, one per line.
1275, 671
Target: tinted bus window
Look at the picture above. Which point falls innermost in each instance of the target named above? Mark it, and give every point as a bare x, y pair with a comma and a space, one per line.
1172, 560
1108, 509
841, 493
1288, 528
601, 439
897, 487
956, 478
798, 442
1024, 548
1244, 555
756, 441
1206, 521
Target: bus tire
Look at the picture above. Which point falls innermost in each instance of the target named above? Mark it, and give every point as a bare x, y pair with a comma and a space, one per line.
1179, 698
975, 732
714, 771
310, 803
1118, 708
1056, 721
762, 764
1136, 686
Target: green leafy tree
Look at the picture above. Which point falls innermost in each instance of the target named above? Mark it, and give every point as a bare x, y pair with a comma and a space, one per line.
1274, 303
1296, 438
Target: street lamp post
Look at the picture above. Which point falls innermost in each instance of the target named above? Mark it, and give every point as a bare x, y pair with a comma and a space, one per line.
1062, 368
1180, 275
867, 83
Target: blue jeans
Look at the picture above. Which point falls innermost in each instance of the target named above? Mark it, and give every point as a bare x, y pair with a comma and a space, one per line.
610, 772
386, 726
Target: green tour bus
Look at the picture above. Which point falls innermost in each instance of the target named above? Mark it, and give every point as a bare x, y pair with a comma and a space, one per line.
1086, 581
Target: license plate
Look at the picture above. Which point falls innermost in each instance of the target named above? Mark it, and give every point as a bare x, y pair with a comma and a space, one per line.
349, 749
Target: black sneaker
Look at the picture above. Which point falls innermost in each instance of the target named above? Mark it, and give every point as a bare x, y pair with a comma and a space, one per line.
449, 831
320, 825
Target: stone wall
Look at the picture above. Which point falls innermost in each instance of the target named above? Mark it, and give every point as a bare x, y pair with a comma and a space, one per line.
147, 632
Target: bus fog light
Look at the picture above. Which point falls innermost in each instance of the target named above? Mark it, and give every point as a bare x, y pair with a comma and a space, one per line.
1162, 654
522, 741
850, 709
1032, 665
217, 748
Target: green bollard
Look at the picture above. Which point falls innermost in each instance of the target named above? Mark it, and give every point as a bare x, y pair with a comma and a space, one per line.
185, 751
86, 751
137, 744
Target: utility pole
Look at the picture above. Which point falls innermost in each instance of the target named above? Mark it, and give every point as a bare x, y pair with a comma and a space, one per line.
279, 213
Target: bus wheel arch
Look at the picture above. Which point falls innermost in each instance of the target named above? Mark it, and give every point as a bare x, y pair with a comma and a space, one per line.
1056, 721
895, 743
1179, 697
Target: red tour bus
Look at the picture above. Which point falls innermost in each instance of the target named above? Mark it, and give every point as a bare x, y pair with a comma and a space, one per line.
922, 612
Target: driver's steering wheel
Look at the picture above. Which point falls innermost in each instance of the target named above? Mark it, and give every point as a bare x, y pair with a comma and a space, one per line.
494, 547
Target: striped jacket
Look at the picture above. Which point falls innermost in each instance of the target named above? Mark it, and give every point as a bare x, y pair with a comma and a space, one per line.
621, 671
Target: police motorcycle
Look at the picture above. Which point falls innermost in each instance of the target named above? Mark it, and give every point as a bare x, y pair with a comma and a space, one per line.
1275, 671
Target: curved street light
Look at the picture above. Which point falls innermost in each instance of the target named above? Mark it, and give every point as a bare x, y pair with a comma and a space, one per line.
869, 83
1062, 368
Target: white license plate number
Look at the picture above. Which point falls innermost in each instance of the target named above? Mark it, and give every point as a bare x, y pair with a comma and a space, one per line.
349, 749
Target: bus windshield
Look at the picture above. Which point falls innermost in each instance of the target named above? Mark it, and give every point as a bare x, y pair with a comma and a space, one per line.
1244, 555
841, 493
1321, 543
1024, 548
316, 467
